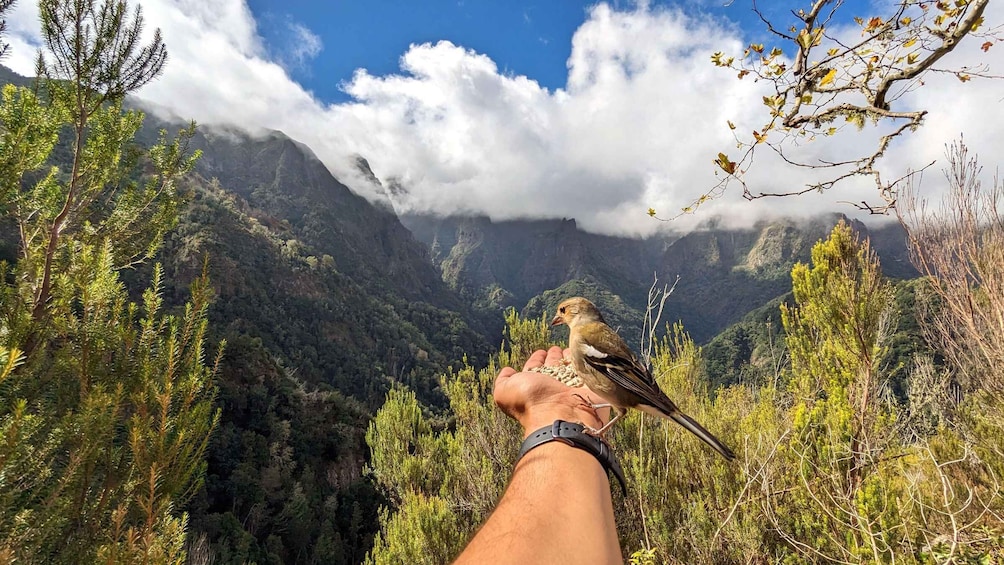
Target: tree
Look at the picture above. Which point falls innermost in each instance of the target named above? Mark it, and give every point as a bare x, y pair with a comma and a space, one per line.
96, 59
841, 427
105, 405
959, 246
828, 76
4, 6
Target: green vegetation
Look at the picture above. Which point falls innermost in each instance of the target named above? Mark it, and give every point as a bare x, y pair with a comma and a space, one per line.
831, 467
444, 483
284, 479
106, 406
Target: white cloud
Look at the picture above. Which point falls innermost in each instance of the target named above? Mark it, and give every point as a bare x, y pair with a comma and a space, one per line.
304, 45
637, 124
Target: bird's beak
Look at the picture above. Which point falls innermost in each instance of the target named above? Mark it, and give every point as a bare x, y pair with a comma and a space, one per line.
557, 321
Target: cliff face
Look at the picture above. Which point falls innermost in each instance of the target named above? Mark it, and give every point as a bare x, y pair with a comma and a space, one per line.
527, 257
282, 179
723, 273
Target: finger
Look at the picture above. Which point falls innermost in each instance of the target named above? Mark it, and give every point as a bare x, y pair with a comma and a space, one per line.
554, 356
567, 353
501, 387
535, 360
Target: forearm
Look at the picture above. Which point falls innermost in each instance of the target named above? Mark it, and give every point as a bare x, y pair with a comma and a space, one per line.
557, 509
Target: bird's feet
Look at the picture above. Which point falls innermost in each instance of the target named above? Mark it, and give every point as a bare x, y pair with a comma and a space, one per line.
591, 406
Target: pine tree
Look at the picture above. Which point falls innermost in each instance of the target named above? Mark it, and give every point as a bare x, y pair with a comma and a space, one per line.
4, 6
105, 405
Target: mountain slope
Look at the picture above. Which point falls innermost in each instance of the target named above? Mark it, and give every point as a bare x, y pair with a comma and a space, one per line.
326, 302
723, 273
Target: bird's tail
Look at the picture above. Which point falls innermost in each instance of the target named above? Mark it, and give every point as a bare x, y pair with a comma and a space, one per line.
699, 431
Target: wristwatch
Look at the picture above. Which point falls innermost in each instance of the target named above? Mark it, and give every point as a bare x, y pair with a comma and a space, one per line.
572, 434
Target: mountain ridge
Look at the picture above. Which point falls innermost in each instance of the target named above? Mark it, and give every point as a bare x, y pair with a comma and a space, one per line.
723, 273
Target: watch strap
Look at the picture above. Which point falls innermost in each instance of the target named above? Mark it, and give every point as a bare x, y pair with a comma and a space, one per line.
574, 435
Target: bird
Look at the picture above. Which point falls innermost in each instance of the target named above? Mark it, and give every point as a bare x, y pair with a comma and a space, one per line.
610, 369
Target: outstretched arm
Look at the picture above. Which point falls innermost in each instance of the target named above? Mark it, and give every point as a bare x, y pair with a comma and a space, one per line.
558, 507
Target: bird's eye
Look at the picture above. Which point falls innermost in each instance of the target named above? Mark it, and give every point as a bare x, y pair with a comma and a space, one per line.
561, 310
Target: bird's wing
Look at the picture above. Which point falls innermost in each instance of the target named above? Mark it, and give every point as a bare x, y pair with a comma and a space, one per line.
606, 352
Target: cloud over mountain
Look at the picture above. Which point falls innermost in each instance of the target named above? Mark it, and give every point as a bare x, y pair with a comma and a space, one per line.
637, 124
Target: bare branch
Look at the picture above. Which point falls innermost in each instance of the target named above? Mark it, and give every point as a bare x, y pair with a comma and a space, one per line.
858, 80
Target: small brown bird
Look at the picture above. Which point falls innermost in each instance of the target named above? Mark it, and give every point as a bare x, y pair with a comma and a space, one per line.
610, 369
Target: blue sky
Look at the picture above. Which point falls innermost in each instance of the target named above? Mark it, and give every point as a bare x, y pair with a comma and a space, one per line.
523, 37
528, 108
529, 38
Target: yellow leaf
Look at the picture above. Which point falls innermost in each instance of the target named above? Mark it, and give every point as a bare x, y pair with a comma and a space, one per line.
806, 99
910, 42
831, 131
964, 78
912, 58
651, 212
731, 125
832, 51
905, 21
817, 36
725, 164
804, 39
828, 78
977, 23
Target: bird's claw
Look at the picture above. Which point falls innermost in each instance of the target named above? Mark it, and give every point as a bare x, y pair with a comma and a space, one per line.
588, 405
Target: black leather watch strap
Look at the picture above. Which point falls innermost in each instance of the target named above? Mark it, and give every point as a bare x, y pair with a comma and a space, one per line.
574, 435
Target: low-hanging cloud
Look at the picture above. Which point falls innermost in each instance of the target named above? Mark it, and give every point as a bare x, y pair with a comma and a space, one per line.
637, 124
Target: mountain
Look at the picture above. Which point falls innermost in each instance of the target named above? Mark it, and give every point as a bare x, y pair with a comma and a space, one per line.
326, 301
723, 272
334, 286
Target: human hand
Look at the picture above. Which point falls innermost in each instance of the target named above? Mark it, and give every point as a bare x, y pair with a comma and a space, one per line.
536, 400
